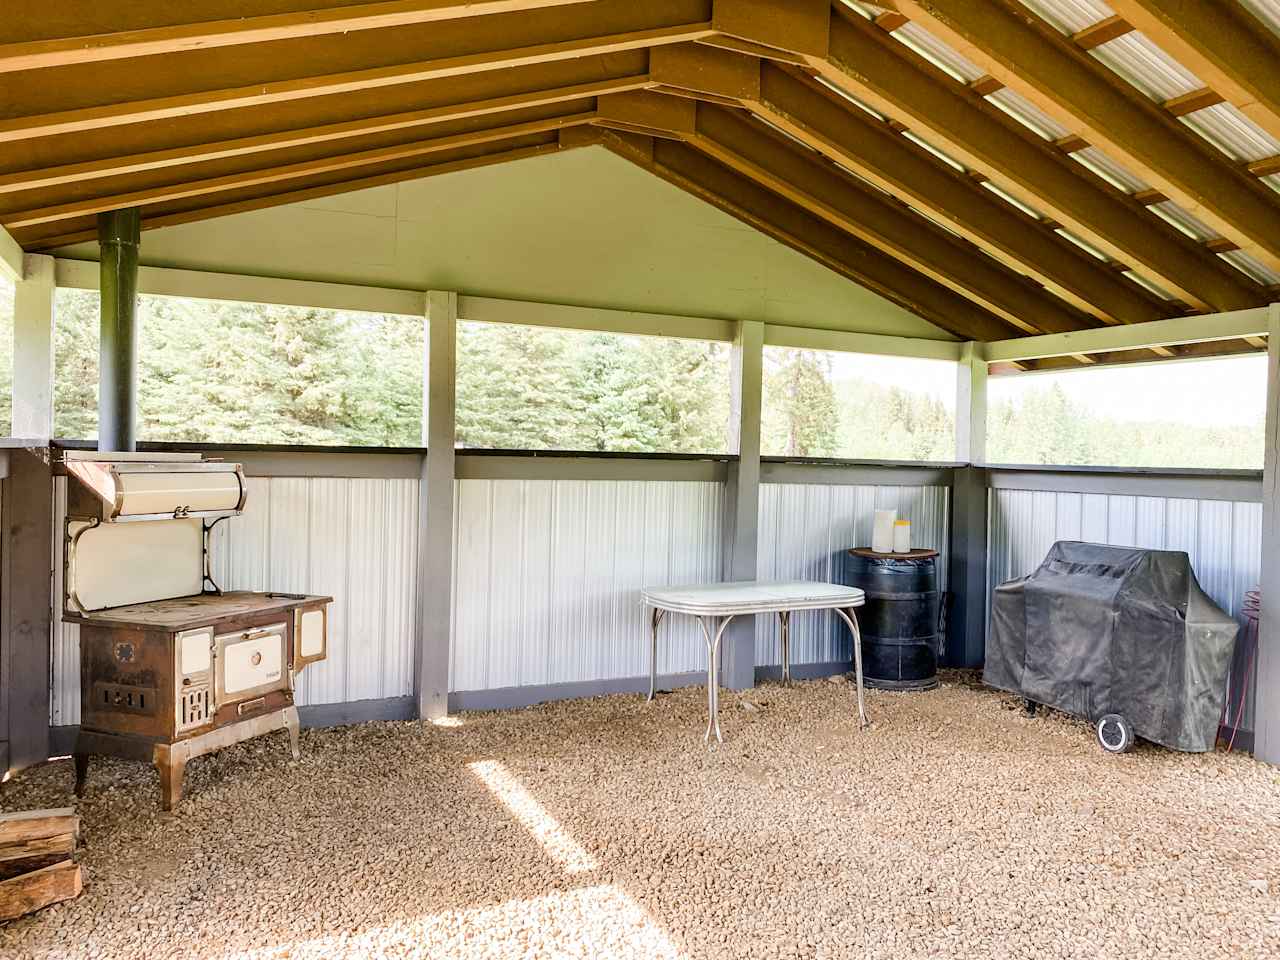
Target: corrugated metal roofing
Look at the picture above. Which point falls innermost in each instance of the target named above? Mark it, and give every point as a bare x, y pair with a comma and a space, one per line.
1027, 113
937, 52
1233, 133
1273, 181
1010, 198
1135, 58
1190, 225
1101, 164
1251, 266
866, 108
1268, 11
1070, 16
1148, 284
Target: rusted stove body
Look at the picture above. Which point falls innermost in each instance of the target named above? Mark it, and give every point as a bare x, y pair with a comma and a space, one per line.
180, 668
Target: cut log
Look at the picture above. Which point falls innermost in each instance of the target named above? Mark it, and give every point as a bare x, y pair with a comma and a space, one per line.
34, 854
18, 828
40, 888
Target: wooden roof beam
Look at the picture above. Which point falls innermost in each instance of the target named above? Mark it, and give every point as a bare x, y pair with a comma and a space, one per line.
873, 150
97, 48
566, 44
809, 181
1104, 31
1025, 52
1223, 44
685, 167
348, 164
62, 233
896, 81
532, 93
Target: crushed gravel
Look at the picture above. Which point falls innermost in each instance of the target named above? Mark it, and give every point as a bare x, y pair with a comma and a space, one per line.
954, 827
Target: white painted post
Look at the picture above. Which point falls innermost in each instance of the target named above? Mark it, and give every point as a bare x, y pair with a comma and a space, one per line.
33, 351
1266, 709
435, 509
742, 497
967, 565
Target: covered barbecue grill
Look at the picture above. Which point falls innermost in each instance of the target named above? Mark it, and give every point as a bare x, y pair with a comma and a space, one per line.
1121, 636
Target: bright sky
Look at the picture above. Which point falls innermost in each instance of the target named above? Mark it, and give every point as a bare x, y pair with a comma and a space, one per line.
1231, 390
935, 377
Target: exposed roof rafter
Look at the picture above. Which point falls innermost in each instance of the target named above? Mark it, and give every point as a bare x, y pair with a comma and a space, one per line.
1015, 46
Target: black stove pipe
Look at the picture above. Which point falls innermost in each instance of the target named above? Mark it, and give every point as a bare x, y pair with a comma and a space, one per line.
118, 237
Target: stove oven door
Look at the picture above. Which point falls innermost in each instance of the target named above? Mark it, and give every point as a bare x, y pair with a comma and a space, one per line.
250, 663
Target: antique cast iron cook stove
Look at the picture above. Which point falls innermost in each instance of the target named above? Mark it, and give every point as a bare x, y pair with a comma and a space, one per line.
171, 667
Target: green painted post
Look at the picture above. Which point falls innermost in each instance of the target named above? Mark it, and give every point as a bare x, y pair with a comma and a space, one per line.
118, 234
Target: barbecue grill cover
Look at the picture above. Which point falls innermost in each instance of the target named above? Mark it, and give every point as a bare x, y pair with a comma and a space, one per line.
1098, 630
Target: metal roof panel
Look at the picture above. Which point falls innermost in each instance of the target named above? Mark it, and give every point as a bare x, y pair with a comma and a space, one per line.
1070, 16
1268, 11
1027, 113
1101, 164
1139, 61
1233, 133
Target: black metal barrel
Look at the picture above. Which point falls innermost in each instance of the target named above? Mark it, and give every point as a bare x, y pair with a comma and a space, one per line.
899, 623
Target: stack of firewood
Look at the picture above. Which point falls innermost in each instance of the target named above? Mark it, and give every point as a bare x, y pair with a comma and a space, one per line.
36, 868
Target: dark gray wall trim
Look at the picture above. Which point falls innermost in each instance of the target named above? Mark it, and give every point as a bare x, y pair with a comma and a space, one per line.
363, 466
492, 467
1247, 488
805, 671
358, 711
507, 698
856, 474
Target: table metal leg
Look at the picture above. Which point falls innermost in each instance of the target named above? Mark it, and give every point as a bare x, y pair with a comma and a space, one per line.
653, 651
784, 629
713, 676
851, 619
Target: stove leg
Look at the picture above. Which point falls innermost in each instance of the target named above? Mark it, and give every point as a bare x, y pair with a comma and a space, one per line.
291, 724
171, 761
82, 772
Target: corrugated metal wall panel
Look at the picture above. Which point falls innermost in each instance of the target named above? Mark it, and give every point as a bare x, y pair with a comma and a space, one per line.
1222, 538
547, 577
802, 529
64, 690
353, 539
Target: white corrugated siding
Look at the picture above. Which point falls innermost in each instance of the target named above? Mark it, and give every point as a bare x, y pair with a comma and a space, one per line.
1223, 538
355, 540
547, 577
803, 529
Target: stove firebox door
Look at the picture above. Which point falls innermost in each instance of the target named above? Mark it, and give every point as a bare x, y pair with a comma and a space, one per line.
251, 663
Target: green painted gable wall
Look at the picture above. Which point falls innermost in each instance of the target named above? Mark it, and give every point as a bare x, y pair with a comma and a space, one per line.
582, 227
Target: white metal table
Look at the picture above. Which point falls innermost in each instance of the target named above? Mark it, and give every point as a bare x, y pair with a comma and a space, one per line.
710, 601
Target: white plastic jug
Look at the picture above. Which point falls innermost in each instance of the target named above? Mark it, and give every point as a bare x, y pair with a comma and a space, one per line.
882, 531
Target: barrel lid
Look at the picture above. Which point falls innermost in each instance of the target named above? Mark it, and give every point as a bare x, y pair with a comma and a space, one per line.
919, 554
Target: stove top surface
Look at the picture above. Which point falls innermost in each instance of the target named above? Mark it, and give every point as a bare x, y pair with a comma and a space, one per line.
184, 613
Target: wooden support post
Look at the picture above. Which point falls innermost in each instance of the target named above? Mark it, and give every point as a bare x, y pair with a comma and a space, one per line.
967, 566
435, 508
33, 351
1266, 703
26, 559
118, 238
742, 498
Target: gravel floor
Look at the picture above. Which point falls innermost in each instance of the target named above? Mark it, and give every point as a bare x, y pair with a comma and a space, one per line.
955, 827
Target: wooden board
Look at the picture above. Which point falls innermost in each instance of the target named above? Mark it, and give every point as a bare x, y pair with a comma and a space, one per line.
917, 554
19, 828
184, 613
40, 888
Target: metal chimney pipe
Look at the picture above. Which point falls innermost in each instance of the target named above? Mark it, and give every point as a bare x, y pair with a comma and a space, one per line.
118, 237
